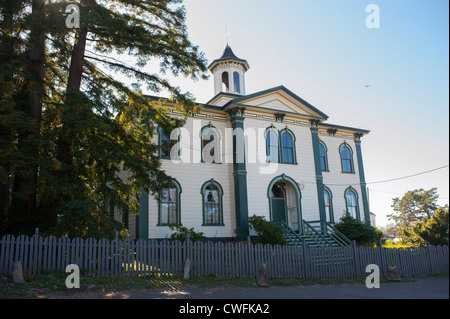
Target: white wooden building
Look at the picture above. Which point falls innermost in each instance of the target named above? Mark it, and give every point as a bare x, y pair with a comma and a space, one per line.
296, 166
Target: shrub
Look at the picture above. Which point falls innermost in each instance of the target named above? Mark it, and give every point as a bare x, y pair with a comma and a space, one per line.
361, 233
183, 232
268, 233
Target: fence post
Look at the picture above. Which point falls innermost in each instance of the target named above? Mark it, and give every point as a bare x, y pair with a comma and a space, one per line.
382, 266
429, 258
305, 260
355, 260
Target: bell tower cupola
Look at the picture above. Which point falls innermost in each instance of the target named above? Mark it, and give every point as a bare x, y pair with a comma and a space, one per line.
229, 73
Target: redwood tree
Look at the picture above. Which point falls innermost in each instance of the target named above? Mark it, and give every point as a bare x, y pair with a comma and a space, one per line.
96, 120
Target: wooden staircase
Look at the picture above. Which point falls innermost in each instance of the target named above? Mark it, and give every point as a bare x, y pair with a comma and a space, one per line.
314, 234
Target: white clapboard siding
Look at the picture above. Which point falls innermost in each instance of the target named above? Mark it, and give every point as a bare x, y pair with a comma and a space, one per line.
337, 181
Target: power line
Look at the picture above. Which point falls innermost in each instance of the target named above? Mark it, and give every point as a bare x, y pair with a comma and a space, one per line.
398, 178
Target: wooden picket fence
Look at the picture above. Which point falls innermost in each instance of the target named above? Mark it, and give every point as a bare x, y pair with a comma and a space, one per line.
233, 259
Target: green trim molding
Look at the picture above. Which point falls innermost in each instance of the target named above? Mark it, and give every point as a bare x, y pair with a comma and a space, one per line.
239, 173
318, 168
142, 218
362, 178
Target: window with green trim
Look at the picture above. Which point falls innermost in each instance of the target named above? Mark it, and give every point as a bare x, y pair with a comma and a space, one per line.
280, 146
328, 204
287, 147
272, 145
168, 145
323, 156
169, 205
351, 202
212, 204
210, 144
346, 158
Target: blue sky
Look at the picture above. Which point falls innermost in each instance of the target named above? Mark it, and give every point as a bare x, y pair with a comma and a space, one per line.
323, 51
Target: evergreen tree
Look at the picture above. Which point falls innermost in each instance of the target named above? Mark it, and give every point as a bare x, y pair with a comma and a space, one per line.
414, 208
92, 125
434, 230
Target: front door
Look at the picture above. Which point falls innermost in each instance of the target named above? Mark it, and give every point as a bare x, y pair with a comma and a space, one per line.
278, 202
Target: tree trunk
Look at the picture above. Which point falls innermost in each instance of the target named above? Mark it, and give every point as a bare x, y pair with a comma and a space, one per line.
73, 86
23, 204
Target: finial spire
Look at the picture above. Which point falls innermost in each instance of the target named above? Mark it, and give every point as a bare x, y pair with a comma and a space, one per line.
226, 34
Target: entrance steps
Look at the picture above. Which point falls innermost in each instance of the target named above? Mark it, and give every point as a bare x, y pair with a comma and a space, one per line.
314, 234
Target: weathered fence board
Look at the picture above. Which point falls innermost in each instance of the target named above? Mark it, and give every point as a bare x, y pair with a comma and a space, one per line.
243, 259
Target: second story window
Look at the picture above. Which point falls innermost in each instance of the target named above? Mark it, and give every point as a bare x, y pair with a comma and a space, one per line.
346, 158
323, 156
168, 144
272, 145
287, 147
210, 144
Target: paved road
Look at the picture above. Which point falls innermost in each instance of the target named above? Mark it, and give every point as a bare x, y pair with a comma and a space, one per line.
420, 288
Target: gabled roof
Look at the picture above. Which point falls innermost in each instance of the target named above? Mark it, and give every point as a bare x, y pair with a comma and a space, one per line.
296, 105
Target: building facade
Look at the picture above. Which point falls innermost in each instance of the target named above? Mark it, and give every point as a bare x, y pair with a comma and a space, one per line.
269, 153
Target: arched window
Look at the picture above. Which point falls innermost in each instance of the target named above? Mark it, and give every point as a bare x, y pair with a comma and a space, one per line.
287, 147
346, 158
169, 205
210, 144
167, 143
323, 156
237, 85
225, 82
272, 145
212, 203
351, 203
328, 204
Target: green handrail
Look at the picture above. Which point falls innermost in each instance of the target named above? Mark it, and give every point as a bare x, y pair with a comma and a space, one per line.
312, 232
288, 231
331, 231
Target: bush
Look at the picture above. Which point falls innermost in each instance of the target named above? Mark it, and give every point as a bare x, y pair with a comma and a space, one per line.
361, 233
268, 233
182, 233
435, 229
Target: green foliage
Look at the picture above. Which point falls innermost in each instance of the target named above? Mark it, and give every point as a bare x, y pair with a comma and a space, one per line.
411, 213
268, 233
379, 236
182, 233
435, 230
354, 230
61, 155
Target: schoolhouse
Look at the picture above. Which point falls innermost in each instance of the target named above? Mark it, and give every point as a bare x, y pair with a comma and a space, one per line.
268, 153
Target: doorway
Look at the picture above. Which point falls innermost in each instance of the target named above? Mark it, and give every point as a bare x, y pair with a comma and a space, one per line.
284, 200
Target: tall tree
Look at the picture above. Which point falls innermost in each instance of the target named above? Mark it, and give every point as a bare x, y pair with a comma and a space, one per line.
414, 207
435, 230
96, 129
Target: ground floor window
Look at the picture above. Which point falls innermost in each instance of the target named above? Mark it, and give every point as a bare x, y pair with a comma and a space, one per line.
169, 205
212, 203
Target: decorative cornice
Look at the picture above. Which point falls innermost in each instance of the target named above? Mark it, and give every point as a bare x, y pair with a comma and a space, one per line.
236, 111
314, 123
279, 117
358, 137
332, 131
